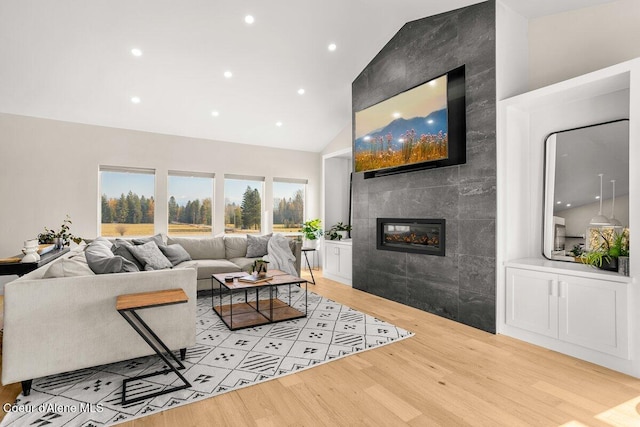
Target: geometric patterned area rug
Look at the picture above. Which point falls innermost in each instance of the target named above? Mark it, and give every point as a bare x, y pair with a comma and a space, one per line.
221, 361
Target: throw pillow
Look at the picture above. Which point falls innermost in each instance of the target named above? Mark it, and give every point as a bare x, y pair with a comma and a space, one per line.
150, 256
102, 241
175, 254
102, 261
69, 267
142, 240
257, 245
121, 247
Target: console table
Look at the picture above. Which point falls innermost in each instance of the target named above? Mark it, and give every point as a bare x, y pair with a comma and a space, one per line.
127, 306
22, 268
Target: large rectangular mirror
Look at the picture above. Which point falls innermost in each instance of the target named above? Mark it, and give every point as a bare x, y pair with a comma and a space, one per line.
576, 205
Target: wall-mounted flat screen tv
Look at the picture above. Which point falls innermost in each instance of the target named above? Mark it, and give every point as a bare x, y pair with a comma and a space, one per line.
423, 127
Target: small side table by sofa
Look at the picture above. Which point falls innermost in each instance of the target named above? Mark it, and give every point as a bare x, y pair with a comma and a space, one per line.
127, 306
304, 251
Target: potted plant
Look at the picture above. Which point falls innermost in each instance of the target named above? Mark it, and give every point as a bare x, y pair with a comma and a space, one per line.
606, 255
312, 231
60, 238
338, 231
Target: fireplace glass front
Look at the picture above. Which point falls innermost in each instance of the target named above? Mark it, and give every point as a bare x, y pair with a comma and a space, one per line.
424, 236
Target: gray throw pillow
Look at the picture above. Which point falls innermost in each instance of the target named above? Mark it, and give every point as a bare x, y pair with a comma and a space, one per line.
102, 261
175, 253
121, 247
257, 245
142, 240
150, 256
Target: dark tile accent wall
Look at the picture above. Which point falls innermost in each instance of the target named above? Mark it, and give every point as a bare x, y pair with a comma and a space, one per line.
460, 286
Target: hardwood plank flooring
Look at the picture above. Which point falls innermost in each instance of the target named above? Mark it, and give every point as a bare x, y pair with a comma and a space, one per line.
448, 374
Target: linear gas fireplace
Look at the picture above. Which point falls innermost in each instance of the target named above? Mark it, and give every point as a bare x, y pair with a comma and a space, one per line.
422, 236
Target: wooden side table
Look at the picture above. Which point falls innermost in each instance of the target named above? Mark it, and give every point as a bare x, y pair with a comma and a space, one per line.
127, 306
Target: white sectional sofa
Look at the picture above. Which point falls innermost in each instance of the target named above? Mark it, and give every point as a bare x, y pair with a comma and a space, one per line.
61, 324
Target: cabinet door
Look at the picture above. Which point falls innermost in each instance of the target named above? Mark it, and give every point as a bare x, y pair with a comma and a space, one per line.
593, 314
532, 302
345, 262
331, 258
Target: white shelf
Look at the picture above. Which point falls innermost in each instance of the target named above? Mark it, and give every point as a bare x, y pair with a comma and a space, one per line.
571, 268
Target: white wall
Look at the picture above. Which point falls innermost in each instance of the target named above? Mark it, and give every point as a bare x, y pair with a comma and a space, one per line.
512, 59
573, 43
342, 141
50, 168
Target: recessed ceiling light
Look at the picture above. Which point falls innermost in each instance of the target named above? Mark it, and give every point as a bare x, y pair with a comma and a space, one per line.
300, 91
228, 74
279, 124
136, 52
597, 197
332, 47
568, 205
559, 202
249, 19
215, 113
396, 115
135, 99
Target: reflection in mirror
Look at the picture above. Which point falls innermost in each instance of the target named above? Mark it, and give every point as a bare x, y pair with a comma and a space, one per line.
574, 203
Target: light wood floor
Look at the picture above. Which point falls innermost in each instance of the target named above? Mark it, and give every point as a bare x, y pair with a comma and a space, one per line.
447, 374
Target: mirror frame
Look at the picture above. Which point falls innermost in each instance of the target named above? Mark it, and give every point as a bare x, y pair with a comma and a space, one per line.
546, 206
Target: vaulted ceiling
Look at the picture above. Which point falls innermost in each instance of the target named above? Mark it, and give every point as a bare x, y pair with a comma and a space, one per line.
72, 60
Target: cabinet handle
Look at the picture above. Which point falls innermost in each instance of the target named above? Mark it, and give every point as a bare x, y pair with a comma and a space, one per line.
553, 288
562, 291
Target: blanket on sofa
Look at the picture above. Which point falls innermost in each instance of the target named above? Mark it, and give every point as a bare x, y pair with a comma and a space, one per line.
279, 255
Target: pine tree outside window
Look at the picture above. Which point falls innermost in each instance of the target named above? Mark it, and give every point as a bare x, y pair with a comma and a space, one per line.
127, 205
243, 204
190, 206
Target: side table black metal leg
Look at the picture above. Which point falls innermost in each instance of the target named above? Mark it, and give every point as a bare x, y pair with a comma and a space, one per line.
313, 280
158, 346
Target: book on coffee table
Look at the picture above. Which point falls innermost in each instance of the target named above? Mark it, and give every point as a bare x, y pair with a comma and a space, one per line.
253, 279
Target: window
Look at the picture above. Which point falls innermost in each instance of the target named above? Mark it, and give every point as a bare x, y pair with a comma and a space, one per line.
242, 204
128, 204
288, 204
190, 207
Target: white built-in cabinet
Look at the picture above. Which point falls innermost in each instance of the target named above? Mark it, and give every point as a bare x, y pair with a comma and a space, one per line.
591, 313
337, 261
567, 307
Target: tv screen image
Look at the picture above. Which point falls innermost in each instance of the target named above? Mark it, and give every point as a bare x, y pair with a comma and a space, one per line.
420, 128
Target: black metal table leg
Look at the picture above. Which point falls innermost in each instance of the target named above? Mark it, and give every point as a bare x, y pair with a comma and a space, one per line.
158, 346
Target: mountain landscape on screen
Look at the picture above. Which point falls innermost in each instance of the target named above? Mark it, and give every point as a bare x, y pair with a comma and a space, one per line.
403, 141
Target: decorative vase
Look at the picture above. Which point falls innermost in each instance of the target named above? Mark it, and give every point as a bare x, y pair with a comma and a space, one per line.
310, 244
58, 243
343, 234
611, 265
623, 265
30, 251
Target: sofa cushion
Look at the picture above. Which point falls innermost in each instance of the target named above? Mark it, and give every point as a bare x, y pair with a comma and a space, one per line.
102, 261
201, 248
257, 245
121, 247
175, 253
69, 267
151, 256
235, 246
207, 267
244, 263
142, 240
